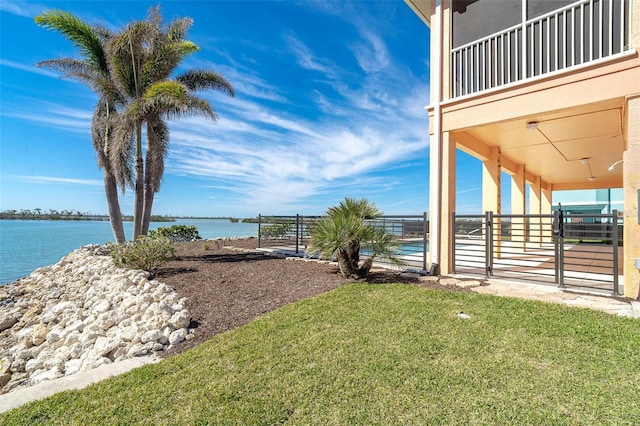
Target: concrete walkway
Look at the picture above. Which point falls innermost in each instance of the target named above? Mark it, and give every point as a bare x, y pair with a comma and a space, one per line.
80, 380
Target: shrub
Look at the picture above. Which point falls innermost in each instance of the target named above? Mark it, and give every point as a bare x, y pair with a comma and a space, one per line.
177, 233
144, 253
343, 231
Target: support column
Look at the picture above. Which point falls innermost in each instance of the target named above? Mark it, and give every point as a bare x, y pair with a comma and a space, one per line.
545, 208
491, 193
518, 206
535, 196
448, 202
491, 170
436, 138
631, 188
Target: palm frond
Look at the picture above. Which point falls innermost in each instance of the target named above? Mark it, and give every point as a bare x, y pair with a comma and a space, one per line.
383, 244
178, 28
127, 53
202, 79
122, 149
81, 34
193, 106
157, 149
332, 234
103, 131
103, 32
362, 208
66, 65
99, 135
173, 100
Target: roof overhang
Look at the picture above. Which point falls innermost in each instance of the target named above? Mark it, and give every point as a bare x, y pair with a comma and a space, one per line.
422, 8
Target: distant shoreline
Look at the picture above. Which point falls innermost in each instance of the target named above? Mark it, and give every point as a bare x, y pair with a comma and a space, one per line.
6, 216
105, 218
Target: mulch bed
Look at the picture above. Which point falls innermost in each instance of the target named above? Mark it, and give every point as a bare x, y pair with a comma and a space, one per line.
228, 287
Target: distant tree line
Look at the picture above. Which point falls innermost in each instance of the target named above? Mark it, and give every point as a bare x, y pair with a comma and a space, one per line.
52, 214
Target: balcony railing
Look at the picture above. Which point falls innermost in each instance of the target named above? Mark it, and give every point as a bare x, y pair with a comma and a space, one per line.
578, 34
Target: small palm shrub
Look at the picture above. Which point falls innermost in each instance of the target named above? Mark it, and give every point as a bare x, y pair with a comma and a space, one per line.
343, 231
177, 233
143, 253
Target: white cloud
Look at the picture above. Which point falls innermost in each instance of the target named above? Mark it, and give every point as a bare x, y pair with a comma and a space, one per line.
273, 160
372, 54
53, 115
56, 180
21, 8
245, 83
306, 59
28, 68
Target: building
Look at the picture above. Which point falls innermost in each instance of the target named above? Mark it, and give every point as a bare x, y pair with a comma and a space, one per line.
546, 91
589, 201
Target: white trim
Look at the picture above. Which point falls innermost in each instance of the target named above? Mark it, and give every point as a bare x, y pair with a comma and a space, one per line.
435, 160
568, 70
533, 67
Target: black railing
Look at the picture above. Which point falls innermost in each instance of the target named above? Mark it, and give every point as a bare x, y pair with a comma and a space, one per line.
292, 234
569, 250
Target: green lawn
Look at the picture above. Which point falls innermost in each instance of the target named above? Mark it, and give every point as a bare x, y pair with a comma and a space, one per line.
382, 354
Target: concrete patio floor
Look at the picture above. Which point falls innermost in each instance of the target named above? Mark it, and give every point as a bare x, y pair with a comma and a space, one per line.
548, 293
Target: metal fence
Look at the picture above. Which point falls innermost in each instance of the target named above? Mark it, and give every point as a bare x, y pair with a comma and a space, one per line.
292, 234
559, 248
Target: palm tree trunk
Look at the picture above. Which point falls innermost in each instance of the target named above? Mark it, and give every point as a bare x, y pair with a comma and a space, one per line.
149, 194
353, 254
115, 215
150, 169
148, 203
346, 265
139, 198
365, 268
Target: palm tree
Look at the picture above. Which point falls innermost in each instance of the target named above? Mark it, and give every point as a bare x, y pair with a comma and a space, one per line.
143, 57
94, 72
344, 231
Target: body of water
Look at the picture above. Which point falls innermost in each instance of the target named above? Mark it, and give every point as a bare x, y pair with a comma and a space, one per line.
26, 245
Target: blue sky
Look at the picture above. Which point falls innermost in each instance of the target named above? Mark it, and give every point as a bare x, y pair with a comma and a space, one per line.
329, 103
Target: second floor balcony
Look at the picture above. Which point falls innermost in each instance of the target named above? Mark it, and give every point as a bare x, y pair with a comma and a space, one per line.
532, 41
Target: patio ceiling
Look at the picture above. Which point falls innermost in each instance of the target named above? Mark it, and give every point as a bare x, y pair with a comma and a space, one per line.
564, 148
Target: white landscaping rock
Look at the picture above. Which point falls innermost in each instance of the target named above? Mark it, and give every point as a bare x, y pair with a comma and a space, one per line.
151, 336
177, 336
39, 334
180, 319
7, 320
81, 313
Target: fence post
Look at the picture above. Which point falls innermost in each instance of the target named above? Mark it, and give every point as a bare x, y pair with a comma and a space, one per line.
297, 232
302, 236
561, 245
556, 246
614, 243
425, 241
488, 245
259, 233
